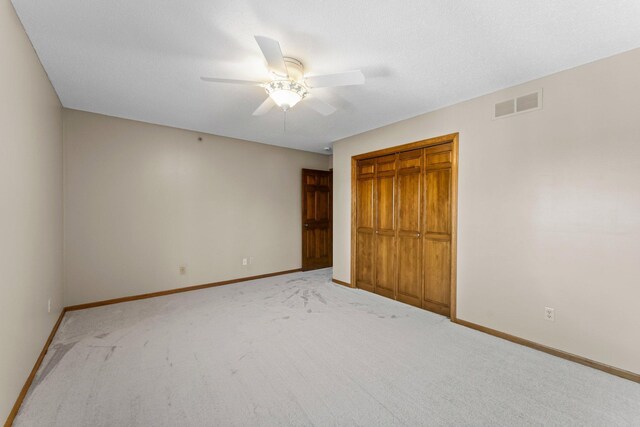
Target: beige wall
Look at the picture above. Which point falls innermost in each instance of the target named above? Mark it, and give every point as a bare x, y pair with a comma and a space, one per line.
142, 200
549, 209
30, 207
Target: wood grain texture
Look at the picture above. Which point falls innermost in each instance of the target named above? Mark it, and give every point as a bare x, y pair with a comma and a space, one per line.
632, 376
410, 146
437, 229
317, 246
385, 226
454, 226
437, 271
409, 214
364, 225
34, 371
354, 225
406, 196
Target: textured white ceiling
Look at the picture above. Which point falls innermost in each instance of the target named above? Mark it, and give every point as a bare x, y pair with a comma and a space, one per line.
142, 59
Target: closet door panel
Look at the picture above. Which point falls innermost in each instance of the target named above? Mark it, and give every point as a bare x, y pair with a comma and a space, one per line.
364, 267
438, 196
365, 204
409, 219
409, 271
409, 192
385, 214
437, 230
437, 271
385, 265
365, 225
385, 191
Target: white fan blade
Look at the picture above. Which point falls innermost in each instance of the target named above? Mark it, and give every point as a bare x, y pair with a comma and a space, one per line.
339, 79
273, 54
232, 81
265, 107
319, 105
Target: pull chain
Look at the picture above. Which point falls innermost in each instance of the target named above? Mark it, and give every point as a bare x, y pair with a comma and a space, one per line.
284, 127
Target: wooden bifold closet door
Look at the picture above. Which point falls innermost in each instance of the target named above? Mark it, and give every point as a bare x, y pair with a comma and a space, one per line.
437, 230
385, 227
410, 227
365, 227
403, 225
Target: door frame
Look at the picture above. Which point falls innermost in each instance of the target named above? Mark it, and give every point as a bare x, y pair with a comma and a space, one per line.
444, 139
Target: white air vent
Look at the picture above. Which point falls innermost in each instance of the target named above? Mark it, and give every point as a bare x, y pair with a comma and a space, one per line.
521, 104
505, 108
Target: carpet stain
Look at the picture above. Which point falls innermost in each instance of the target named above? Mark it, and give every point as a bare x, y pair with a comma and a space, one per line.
292, 295
304, 371
305, 297
320, 298
112, 349
60, 350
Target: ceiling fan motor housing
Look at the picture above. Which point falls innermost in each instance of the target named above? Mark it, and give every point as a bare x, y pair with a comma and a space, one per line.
295, 69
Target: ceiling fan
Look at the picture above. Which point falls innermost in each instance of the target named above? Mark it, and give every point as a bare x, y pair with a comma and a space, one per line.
289, 85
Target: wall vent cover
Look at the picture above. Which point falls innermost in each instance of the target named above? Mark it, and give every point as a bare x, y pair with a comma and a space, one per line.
505, 108
529, 102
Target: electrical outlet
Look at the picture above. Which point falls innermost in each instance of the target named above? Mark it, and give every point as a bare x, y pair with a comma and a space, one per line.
549, 314
245, 261
183, 269
49, 306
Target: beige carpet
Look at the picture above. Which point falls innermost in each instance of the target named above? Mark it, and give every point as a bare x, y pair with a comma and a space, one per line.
299, 350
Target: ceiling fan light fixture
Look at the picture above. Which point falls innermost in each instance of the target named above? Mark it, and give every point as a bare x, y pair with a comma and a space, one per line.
289, 85
286, 93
